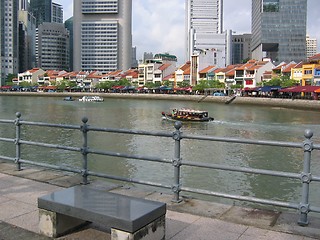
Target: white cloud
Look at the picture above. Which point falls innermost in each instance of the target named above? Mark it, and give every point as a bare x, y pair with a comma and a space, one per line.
158, 27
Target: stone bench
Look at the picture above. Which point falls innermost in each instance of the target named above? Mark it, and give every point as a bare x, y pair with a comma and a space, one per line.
127, 217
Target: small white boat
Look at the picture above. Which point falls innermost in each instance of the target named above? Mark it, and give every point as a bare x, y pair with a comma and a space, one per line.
91, 99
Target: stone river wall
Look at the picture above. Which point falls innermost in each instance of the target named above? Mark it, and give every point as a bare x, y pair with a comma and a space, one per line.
273, 102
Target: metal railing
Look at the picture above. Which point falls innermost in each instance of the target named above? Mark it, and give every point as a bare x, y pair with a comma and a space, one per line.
306, 178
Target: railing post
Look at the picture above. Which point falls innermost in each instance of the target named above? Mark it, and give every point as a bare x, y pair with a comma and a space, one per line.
84, 129
17, 141
306, 179
176, 161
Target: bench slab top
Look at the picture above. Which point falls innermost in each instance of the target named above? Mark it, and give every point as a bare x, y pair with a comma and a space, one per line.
110, 209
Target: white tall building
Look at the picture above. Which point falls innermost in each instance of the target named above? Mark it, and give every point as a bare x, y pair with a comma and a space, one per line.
9, 52
204, 23
102, 35
311, 47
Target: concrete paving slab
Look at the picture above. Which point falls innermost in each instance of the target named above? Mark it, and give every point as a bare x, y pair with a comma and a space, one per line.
10, 232
206, 220
87, 234
28, 221
177, 222
8, 167
202, 208
287, 222
24, 172
66, 181
14, 209
43, 176
251, 217
133, 192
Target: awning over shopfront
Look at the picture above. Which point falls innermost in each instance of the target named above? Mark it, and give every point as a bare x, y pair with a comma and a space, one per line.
268, 88
304, 89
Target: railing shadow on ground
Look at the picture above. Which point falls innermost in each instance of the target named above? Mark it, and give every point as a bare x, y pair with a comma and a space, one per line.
306, 178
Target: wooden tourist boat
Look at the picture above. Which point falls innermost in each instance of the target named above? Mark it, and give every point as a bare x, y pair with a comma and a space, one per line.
189, 115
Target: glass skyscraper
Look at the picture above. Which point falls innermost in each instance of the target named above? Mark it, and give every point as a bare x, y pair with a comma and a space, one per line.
102, 35
42, 10
279, 30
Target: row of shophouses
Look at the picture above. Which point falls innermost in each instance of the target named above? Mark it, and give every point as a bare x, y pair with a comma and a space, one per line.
156, 71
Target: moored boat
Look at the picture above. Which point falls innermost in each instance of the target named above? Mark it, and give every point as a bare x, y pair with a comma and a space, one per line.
91, 99
189, 115
69, 98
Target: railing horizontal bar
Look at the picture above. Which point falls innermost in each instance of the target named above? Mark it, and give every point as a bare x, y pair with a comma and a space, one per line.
131, 180
6, 121
315, 209
316, 146
127, 131
48, 145
40, 124
243, 198
7, 158
242, 169
315, 178
243, 141
124, 155
46, 165
7, 140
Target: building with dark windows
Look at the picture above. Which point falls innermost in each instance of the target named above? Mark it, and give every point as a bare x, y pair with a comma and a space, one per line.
102, 32
279, 30
53, 47
57, 13
68, 24
41, 10
8, 39
241, 48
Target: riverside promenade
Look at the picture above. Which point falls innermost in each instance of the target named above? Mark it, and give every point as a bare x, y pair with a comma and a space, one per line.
272, 102
189, 220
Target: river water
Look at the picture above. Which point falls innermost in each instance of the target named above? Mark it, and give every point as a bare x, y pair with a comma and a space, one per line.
238, 121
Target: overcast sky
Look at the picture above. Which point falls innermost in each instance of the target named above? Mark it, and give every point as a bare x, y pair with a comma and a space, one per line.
158, 26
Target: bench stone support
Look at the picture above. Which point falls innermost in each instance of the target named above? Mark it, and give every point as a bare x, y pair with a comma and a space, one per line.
53, 224
154, 230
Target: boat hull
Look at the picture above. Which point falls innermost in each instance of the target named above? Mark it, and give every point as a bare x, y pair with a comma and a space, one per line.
168, 116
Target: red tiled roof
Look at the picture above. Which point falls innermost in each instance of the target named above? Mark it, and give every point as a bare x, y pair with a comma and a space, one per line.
168, 77
34, 70
207, 69
164, 66
287, 69
314, 57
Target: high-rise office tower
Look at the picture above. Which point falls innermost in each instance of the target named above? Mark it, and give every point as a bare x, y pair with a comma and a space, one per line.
204, 33
279, 30
57, 13
68, 24
27, 37
102, 35
311, 46
8, 39
241, 49
203, 24
53, 47
42, 10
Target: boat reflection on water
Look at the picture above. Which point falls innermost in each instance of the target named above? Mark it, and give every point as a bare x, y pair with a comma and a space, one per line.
188, 115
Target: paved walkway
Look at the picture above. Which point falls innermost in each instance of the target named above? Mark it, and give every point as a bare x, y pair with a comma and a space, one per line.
190, 219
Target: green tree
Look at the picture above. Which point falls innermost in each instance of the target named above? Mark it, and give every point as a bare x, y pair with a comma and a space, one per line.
282, 81
10, 76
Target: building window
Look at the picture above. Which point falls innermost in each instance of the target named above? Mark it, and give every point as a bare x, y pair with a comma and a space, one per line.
271, 6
